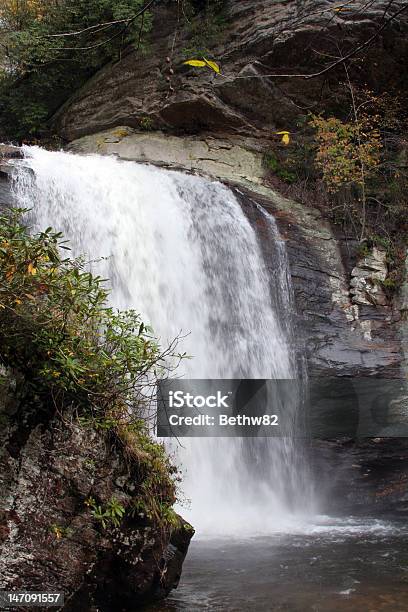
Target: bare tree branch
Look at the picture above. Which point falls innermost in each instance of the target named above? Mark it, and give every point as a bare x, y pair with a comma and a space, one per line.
102, 26
89, 29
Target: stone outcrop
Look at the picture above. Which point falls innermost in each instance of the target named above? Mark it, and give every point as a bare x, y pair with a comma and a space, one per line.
7, 152
366, 477
224, 158
49, 540
256, 38
366, 279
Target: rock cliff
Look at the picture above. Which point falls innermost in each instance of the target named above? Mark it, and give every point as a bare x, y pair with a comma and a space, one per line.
49, 538
256, 38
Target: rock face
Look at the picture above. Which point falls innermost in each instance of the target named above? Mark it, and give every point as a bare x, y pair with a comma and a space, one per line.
366, 279
368, 477
50, 541
257, 38
7, 152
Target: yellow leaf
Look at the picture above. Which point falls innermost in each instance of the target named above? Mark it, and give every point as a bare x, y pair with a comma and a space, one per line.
31, 269
197, 63
10, 273
17, 301
285, 136
213, 65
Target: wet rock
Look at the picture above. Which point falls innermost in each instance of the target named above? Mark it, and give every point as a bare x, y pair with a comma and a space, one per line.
49, 539
366, 476
10, 152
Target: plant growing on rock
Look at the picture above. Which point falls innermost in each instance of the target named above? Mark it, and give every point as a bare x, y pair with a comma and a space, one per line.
75, 352
61, 532
361, 163
111, 514
347, 153
146, 124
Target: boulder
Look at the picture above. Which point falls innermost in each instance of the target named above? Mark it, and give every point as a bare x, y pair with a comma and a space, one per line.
49, 539
10, 152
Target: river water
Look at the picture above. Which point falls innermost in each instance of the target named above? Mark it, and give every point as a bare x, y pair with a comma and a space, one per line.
344, 565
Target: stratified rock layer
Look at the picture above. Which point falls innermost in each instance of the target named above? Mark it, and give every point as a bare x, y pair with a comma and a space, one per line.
257, 38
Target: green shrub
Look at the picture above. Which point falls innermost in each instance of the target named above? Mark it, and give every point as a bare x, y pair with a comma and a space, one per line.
58, 332
348, 152
146, 124
56, 324
279, 168
42, 69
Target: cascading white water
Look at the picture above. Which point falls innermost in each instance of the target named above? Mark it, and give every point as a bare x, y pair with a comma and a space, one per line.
180, 250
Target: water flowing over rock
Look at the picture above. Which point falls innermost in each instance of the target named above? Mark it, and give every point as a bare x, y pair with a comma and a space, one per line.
337, 336
181, 250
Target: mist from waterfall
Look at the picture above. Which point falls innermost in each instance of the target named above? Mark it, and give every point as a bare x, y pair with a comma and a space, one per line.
180, 250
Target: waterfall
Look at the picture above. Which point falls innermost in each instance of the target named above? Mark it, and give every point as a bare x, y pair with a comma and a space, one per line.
180, 250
